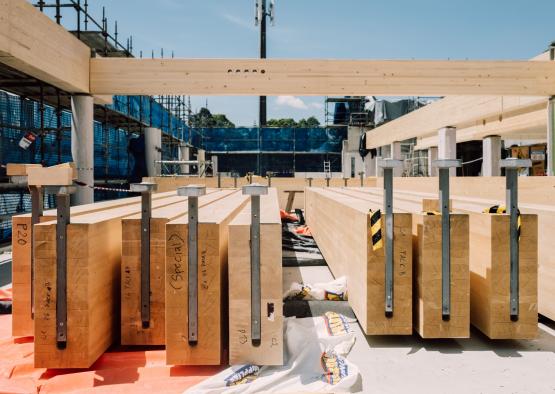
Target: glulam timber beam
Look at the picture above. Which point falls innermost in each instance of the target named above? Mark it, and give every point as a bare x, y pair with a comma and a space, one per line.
527, 126
127, 76
32, 43
459, 111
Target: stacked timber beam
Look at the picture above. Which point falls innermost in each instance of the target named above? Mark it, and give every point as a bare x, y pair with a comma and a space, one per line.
93, 250
22, 315
88, 264
203, 342
341, 227
132, 330
489, 262
244, 347
287, 188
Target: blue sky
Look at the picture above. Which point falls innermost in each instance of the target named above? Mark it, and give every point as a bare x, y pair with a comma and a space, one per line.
347, 29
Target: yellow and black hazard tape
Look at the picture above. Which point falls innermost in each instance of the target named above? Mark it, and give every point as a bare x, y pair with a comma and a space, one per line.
502, 209
376, 229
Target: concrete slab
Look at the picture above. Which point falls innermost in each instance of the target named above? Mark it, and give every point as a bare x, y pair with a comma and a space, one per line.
476, 365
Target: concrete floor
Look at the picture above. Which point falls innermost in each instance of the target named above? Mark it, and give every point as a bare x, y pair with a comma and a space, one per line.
405, 364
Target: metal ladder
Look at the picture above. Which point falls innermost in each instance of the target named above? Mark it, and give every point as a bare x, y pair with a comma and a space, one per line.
327, 169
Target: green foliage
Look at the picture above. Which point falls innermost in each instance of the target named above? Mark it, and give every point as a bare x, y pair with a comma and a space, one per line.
204, 118
289, 122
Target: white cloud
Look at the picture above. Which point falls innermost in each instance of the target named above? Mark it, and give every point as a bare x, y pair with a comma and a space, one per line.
291, 101
316, 105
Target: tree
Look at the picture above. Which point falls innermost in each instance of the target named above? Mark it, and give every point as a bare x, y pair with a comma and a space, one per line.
289, 122
309, 122
204, 118
284, 122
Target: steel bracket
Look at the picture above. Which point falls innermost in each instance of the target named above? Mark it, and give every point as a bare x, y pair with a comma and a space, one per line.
443, 166
192, 192
388, 165
255, 191
512, 165
62, 220
146, 190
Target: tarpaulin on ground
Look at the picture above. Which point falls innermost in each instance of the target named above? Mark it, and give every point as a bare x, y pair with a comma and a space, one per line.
315, 354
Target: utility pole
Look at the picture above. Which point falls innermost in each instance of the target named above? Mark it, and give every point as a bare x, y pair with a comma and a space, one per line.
260, 18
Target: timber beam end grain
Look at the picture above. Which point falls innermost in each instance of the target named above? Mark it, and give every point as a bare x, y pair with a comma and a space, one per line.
428, 278
490, 276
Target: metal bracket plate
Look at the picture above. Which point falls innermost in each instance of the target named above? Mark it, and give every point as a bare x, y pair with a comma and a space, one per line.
512, 166
146, 190
388, 165
255, 191
63, 217
192, 192
444, 165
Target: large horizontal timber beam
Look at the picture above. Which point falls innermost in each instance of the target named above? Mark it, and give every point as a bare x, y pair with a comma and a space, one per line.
472, 116
527, 126
32, 43
126, 76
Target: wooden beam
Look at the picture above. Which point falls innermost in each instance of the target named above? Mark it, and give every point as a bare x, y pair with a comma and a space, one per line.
129, 76
167, 183
426, 233
489, 262
132, 331
457, 111
530, 125
213, 235
241, 350
340, 224
32, 43
93, 286
22, 323
490, 273
428, 279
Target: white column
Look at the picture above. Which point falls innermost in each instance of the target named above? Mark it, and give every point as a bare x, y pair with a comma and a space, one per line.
82, 146
551, 137
201, 157
184, 154
214, 160
447, 147
379, 170
153, 150
395, 149
345, 159
432, 156
491, 155
370, 165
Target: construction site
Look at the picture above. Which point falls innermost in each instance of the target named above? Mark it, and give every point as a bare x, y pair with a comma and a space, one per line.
383, 226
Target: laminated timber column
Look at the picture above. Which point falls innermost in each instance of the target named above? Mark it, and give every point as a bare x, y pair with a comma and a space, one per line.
447, 147
82, 146
432, 156
153, 149
491, 154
